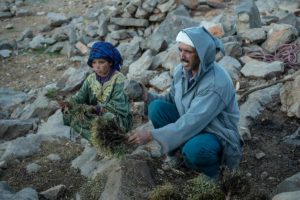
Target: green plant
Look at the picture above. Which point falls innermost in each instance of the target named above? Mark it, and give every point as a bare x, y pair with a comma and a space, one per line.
165, 192
201, 188
52, 93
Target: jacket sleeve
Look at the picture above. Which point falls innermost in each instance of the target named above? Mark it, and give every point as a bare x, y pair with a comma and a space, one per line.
82, 96
204, 108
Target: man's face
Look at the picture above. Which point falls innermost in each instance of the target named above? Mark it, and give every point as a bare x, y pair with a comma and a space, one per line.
188, 57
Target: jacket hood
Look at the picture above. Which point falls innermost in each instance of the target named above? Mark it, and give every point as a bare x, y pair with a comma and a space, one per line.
206, 46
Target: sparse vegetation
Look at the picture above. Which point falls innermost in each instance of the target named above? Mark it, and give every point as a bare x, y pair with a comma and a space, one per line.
165, 192
92, 189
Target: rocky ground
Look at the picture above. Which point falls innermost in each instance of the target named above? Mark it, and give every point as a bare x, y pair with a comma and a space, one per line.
271, 154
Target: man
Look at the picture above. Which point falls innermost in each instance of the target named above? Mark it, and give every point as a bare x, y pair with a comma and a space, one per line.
200, 115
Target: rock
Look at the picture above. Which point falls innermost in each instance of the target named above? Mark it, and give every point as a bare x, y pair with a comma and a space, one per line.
56, 19
9, 26
11, 129
215, 3
33, 168
60, 34
6, 192
120, 34
191, 4
141, 13
290, 97
130, 50
27, 33
91, 30
72, 35
8, 44
73, 78
93, 13
37, 42
5, 53
4, 15
267, 6
233, 49
134, 90
123, 179
54, 193
42, 107
142, 64
10, 98
254, 105
144, 76
168, 59
174, 22
22, 146
4, 6
279, 34
23, 12
157, 17
167, 6
54, 157
260, 69
293, 139
254, 35
149, 5
129, 22
260, 155
103, 23
232, 66
291, 19
68, 49
161, 82
248, 16
89, 164
289, 6
57, 47
82, 48
264, 175
290, 184
287, 196
54, 126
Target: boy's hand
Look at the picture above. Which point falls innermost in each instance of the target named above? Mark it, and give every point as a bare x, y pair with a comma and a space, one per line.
63, 105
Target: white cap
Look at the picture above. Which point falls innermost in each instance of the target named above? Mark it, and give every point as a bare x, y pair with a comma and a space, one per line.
184, 38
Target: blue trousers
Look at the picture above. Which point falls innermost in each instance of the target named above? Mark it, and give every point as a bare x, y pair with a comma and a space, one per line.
201, 152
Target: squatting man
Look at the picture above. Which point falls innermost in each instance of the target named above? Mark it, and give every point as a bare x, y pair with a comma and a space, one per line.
199, 116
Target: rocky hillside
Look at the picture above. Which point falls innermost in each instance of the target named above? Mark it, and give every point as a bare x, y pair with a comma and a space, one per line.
43, 53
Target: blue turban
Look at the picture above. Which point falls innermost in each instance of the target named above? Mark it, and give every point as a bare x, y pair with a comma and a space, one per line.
106, 51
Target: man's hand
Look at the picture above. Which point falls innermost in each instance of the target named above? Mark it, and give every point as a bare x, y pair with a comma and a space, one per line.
140, 137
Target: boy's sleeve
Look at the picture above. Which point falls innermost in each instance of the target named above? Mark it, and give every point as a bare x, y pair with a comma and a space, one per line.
81, 96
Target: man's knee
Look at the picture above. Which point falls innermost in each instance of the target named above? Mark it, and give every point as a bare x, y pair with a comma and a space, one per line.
154, 109
202, 151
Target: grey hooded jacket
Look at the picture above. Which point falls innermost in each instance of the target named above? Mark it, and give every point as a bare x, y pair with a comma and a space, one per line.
209, 105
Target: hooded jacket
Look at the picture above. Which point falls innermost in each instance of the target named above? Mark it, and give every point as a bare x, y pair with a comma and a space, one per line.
209, 105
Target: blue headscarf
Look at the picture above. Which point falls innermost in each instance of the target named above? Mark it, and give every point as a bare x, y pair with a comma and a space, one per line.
106, 51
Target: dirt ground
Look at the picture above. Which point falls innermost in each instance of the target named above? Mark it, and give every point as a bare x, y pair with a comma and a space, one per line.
34, 69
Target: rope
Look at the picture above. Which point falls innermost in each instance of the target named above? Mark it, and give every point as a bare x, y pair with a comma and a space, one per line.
287, 53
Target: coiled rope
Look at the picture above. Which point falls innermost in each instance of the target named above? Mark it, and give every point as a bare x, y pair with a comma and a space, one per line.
287, 53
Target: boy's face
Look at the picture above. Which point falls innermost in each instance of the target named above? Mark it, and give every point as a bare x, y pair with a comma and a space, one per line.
101, 67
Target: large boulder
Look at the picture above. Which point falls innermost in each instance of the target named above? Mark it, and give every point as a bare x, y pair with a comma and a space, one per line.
290, 97
174, 22
10, 98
